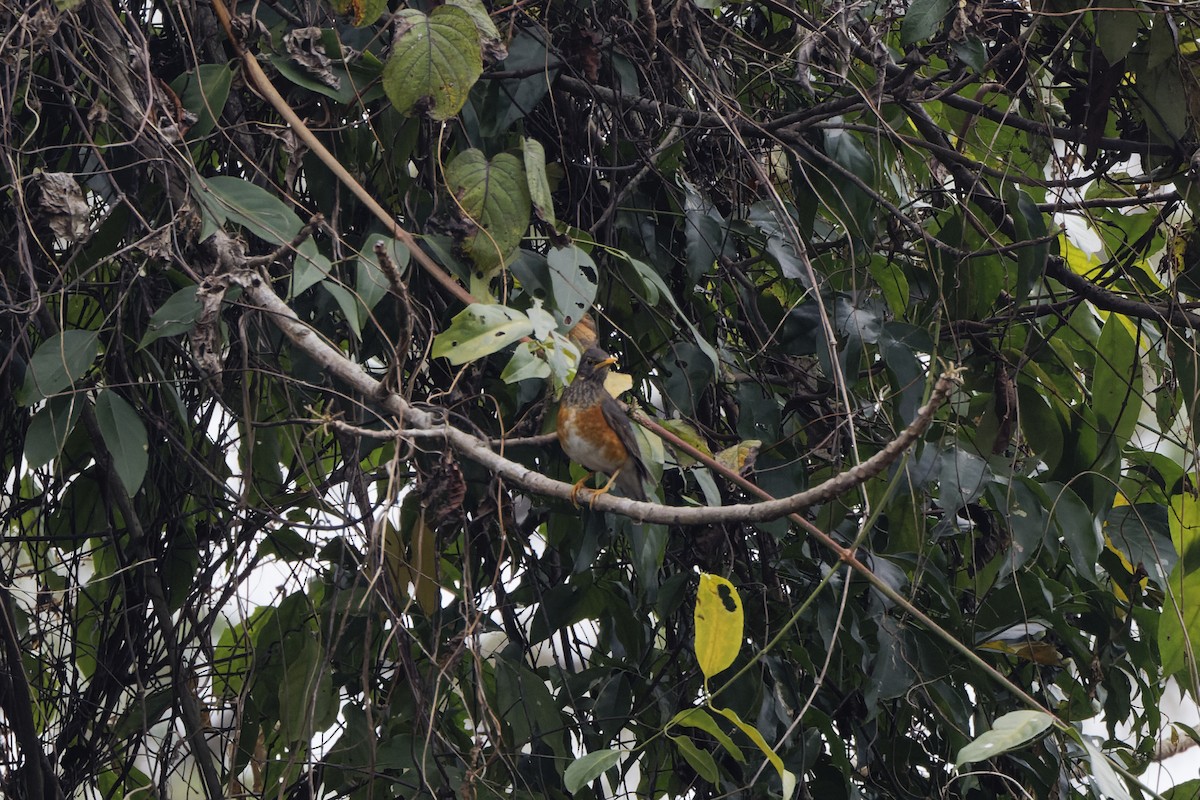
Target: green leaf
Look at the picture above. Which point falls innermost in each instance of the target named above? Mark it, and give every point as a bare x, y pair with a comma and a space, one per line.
1117, 380
1117, 29
178, 315
761, 743
539, 185
573, 279
972, 53
525, 365
49, 428
701, 719
311, 268
434, 63
894, 284
480, 330
1179, 625
1077, 525
203, 91
489, 34
719, 620
252, 207
1188, 790
287, 545
1184, 525
964, 476
494, 195
922, 20
1106, 780
586, 769
57, 363
371, 283
306, 688
352, 310
655, 287
125, 438
699, 760
1008, 733
81, 512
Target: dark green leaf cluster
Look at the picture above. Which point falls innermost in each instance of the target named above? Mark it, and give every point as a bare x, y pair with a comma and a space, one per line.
224, 569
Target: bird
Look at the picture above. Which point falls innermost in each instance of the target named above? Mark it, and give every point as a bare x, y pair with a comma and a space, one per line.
594, 431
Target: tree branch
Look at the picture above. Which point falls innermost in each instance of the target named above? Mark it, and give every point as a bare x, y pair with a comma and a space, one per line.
421, 424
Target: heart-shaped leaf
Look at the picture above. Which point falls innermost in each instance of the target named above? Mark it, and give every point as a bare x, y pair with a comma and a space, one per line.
494, 195
434, 63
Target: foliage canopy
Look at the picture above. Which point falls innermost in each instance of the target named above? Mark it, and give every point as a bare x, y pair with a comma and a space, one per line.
291, 289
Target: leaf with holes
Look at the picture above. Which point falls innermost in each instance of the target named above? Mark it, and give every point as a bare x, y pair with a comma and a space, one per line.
573, 280
480, 330
434, 63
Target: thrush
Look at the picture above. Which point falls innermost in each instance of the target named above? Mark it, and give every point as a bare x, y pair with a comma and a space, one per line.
594, 431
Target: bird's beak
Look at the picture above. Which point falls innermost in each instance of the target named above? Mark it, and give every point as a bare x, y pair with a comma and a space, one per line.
608, 362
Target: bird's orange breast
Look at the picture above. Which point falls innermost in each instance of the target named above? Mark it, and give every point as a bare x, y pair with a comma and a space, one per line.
587, 439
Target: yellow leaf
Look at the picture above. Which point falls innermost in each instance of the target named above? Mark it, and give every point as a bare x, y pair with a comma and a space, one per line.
740, 457
1130, 572
1037, 652
788, 778
688, 434
1184, 521
719, 620
618, 383
414, 565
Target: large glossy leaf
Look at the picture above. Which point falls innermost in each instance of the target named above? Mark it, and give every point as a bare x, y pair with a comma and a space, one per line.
922, 20
588, 767
1117, 381
203, 91
1008, 733
124, 437
49, 428
56, 364
177, 315
227, 198
434, 63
